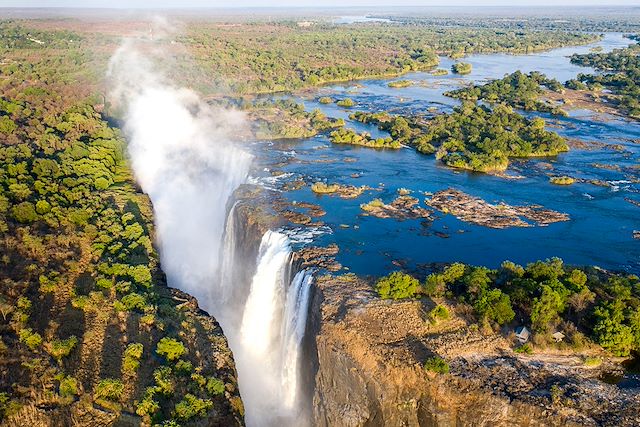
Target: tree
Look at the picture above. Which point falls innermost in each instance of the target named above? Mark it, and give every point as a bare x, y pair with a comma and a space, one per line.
494, 305
397, 285
546, 309
170, 348
610, 332
25, 212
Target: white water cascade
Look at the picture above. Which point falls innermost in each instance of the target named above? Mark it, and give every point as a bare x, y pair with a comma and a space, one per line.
271, 332
184, 157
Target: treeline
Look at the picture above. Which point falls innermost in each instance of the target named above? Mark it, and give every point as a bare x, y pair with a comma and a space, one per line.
87, 325
620, 75
473, 137
519, 90
286, 119
587, 305
281, 56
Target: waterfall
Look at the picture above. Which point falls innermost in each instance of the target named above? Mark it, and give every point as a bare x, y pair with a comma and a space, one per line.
184, 158
271, 332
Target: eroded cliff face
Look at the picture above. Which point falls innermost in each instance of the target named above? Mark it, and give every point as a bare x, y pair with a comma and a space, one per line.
367, 356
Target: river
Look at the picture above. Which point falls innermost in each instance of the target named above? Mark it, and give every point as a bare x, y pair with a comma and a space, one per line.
600, 231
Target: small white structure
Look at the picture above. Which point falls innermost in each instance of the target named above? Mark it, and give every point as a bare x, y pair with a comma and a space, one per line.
558, 336
522, 334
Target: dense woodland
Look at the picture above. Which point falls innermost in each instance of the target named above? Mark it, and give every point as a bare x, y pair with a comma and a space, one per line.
518, 90
620, 75
588, 305
278, 57
86, 320
473, 137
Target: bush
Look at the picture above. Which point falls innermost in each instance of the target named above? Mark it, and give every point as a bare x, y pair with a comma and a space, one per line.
397, 285
347, 102
439, 312
170, 348
322, 188
164, 381
436, 364
31, 339
215, 386
524, 348
131, 357
109, 389
191, 407
68, 387
592, 361
562, 180
461, 68
25, 212
148, 405
62, 348
325, 100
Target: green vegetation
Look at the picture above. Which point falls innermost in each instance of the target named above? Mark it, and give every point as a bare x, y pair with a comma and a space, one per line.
481, 139
397, 285
131, 358
325, 100
461, 68
524, 349
286, 119
620, 75
109, 389
170, 348
322, 188
439, 312
400, 84
517, 90
78, 264
62, 348
439, 72
437, 365
191, 407
562, 180
346, 102
280, 56
349, 136
581, 303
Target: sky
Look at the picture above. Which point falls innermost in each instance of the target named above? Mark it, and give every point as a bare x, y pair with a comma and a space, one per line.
304, 3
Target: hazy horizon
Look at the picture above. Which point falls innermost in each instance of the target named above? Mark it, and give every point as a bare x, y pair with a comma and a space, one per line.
161, 4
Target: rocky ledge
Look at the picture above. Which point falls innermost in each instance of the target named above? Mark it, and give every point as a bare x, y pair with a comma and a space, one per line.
368, 356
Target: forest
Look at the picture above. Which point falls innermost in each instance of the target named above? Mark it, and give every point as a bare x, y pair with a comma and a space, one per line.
588, 305
518, 90
78, 257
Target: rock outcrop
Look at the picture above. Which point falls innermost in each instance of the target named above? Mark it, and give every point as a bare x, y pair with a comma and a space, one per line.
367, 356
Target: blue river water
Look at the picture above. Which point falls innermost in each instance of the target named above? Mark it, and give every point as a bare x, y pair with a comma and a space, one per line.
603, 219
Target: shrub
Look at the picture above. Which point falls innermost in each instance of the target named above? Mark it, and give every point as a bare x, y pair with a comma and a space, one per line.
62, 348
439, 312
170, 348
436, 364
68, 387
347, 102
131, 357
184, 367
524, 348
562, 180
25, 212
43, 207
400, 84
31, 339
148, 405
191, 407
133, 301
325, 100
322, 188
592, 361
109, 389
164, 381
215, 386
461, 68
397, 285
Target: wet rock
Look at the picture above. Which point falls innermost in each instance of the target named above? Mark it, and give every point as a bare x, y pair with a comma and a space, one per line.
477, 211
